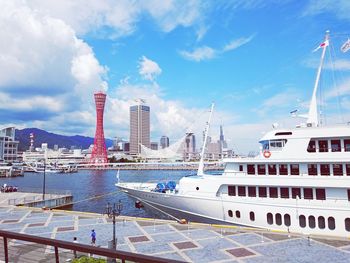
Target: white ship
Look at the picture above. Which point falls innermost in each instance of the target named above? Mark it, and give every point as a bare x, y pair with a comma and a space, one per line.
299, 183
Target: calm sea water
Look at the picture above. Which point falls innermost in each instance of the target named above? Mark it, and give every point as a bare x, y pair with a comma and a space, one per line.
92, 183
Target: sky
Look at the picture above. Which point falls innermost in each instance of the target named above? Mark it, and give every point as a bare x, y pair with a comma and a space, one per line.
253, 59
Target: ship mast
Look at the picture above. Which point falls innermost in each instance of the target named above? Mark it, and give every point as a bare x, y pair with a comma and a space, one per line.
312, 119
201, 161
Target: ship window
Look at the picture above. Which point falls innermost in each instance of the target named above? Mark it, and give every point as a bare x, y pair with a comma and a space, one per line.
302, 221
320, 194
278, 219
321, 222
231, 190
241, 190
238, 214
276, 144
269, 218
230, 214
287, 220
312, 169
252, 191
284, 192
241, 168
283, 169
347, 168
348, 194
251, 169
338, 169
273, 192
197, 188
323, 145
325, 169
283, 133
347, 224
308, 193
347, 145
272, 169
312, 222
335, 145
262, 192
252, 216
261, 169
296, 192
311, 148
331, 223
294, 169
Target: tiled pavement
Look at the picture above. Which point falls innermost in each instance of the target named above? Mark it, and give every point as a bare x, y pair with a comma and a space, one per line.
191, 243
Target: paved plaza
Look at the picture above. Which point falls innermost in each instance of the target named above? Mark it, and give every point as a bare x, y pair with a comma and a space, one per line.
168, 239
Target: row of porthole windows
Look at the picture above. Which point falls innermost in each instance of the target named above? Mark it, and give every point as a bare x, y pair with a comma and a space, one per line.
278, 219
320, 221
238, 214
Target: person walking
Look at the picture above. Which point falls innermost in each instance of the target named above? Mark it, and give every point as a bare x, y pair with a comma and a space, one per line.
93, 237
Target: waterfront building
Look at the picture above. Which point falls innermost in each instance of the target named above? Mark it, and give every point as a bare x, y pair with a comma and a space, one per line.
99, 151
154, 146
139, 127
8, 145
164, 142
189, 149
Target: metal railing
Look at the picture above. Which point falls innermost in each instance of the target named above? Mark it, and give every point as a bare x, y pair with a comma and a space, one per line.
59, 244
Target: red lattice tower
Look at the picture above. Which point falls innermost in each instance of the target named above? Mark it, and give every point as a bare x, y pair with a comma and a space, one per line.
99, 152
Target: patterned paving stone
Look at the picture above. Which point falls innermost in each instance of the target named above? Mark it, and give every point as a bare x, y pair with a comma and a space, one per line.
277, 237
205, 255
216, 243
169, 237
249, 239
333, 243
67, 228
298, 250
156, 229
185, 245
10, 221
152, 247
147, 223
172, 255
36, 224
200, 234
138, 239
240, 252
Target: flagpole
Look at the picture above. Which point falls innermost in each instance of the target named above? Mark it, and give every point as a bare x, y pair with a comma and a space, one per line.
313, 114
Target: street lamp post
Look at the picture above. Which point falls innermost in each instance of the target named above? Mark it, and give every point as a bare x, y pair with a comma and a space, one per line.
44, 179
113, 212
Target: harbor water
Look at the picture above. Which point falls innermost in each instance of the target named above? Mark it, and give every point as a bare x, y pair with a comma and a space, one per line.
93, 189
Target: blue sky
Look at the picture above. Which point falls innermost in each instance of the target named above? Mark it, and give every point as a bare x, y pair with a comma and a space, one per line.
254, 59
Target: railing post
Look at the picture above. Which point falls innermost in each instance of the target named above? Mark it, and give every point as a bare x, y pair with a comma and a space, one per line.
6, 250
56, 255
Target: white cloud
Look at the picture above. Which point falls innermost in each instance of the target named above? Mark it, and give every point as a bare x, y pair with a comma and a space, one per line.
148, 68
340, 8
121, 16
199, 54
206, 53
236, 43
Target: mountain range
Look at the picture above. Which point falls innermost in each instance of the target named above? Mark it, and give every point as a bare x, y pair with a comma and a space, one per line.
42, 136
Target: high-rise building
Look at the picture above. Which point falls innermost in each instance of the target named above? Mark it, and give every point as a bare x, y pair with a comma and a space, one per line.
164, 142
139, 127
154, 146
8, 145
189, 146
222, 138
99, 151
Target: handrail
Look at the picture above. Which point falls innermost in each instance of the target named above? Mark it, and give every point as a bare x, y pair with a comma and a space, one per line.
110, 253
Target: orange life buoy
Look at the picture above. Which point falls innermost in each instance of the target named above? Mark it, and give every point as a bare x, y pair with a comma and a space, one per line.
267, 154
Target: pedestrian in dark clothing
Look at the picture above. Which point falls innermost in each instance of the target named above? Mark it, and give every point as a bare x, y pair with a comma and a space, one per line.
93, 237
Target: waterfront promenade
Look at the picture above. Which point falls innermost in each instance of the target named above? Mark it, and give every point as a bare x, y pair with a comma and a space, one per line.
167, 239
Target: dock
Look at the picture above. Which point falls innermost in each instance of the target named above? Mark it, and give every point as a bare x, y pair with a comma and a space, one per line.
163, 238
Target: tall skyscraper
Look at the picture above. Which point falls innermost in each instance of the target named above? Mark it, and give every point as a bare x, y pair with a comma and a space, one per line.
164, 142
139, 127
222, 138
99, 152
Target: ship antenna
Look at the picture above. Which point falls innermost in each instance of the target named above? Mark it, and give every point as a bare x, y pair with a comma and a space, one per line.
201, 161
312, 119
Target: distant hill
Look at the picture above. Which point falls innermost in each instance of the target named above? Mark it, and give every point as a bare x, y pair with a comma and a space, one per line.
41, 136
